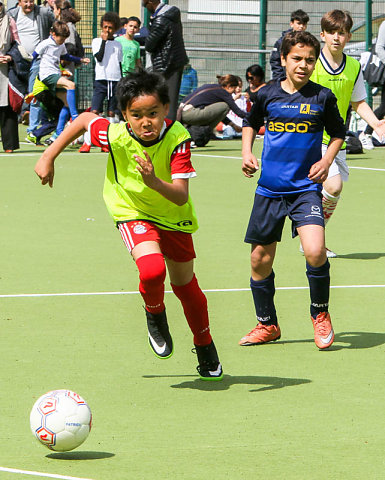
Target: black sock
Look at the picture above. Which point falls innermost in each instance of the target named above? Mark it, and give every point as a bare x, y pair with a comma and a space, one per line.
319, 283
263, 295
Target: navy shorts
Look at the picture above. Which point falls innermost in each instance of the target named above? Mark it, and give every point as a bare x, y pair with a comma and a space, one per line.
268, 216
104, 89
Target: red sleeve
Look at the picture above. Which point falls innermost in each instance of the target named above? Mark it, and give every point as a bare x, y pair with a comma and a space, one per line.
181, 166
98, 132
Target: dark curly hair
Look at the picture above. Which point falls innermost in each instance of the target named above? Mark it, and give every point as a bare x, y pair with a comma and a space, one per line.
305, 38
141, 83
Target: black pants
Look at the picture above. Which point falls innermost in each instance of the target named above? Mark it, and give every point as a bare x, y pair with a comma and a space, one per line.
173, 81
379, 111
9, 128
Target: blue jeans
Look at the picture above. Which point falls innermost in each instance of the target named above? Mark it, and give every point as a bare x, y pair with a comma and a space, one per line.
34, 109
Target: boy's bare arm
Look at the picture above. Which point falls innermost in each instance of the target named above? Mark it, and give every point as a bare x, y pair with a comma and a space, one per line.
367, 114
250, 162
44, 167
319, 171
176, 192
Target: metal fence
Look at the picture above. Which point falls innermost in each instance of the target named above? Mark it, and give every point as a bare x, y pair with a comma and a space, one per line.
227, 36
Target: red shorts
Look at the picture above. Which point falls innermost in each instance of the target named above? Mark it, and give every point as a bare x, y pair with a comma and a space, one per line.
177, 246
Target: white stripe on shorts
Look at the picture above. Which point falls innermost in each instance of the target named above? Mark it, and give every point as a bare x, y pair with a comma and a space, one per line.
126, 236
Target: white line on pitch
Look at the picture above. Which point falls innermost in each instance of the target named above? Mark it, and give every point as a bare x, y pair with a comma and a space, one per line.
41, 474
135, 292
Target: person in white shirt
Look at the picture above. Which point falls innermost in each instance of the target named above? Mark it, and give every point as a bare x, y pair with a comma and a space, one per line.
108, 54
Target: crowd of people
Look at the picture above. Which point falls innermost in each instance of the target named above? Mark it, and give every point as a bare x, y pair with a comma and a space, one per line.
303, 111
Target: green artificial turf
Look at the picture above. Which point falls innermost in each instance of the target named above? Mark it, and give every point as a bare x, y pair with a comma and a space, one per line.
283, 410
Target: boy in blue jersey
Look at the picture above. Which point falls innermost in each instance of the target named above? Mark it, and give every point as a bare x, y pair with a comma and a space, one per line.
146, 191
293, 169
343, 75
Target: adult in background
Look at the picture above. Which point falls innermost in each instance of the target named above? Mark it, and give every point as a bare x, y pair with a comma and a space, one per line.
210, 103
8, 118
255, 77
33, 25
166, 46
366, 136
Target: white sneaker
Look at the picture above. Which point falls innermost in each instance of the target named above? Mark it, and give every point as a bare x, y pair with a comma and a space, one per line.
330, 254
366, 141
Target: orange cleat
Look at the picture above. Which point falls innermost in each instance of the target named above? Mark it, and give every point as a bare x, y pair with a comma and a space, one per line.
261, 334
85, 148
323, 330
105, 149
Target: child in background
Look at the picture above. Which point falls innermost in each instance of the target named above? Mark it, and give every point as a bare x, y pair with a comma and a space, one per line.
146, 192
343, 75
131, 48
293, 169
52, 51
108, 54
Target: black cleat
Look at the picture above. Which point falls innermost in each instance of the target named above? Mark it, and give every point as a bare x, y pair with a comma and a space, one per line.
209, 367
159, 336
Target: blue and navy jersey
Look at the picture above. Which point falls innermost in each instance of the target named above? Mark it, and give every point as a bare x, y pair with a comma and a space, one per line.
293, 135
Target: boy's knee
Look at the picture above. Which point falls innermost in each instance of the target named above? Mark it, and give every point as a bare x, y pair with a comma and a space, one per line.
152, 268
315, 256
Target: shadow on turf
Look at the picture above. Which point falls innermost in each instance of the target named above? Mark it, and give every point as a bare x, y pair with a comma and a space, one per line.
80, 455
362, 256
269, 383
350, 340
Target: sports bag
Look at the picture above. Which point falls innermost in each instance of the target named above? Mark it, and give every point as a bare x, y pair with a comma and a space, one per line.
374, 72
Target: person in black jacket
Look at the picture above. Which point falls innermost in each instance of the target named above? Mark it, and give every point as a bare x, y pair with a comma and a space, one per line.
166, 46
298, 22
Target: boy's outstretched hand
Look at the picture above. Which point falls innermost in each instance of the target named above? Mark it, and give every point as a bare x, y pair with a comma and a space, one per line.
45, 170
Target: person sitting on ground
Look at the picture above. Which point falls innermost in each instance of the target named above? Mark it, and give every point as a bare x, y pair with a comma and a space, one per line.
233, 123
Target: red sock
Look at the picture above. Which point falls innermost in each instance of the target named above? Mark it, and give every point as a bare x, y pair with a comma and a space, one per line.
195, 309
152, 272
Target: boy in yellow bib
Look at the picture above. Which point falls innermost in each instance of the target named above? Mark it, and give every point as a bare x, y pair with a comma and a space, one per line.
342, 75
146, 193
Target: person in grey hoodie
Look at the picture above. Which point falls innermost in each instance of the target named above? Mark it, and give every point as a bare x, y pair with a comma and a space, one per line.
166, 46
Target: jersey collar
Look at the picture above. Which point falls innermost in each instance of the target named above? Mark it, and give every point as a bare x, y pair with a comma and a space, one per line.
328, 67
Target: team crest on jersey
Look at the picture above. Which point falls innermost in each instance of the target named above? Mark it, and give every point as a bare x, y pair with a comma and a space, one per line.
305, 108
139, 228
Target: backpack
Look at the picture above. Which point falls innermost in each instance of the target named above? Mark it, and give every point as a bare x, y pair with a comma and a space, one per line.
353, 144
200, 134
79, 45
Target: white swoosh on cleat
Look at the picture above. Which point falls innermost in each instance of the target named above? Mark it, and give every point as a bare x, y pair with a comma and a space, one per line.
159, 350
328, 338
217, 371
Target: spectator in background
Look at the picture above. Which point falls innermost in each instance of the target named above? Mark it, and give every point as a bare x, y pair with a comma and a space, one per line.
108, 54
298, 22
210, 103
131, 48
122, 30
233, 127
166, 46
8, 118
255, 76
189, 81
33, 25
366, 136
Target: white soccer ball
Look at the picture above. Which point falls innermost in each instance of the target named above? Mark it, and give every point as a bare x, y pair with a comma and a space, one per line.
61, 420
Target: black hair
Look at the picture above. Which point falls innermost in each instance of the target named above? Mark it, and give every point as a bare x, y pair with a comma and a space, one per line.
123, 21
305, 38
140, 83
300, 16
111, 17
256, 71
134, 19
